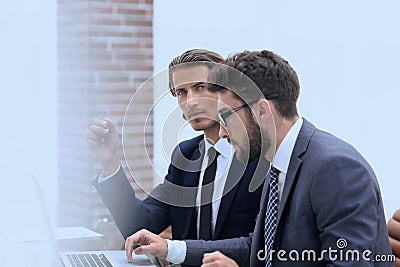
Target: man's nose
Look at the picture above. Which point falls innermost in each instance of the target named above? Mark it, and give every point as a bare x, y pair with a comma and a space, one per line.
223, 132
191, 99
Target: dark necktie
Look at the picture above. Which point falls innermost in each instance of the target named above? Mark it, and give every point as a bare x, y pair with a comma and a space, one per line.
270, 216
207, 194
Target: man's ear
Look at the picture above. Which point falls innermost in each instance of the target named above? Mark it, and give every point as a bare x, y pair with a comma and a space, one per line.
264, 108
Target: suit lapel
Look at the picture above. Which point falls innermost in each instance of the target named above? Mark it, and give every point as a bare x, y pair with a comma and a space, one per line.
240, 175
193, 167
300, 148
191, 183
232, 184
289, 181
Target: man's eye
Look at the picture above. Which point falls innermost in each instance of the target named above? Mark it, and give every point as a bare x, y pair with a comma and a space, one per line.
180, 92
202, 87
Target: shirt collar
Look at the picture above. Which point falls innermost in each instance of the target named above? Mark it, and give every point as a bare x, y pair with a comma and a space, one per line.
284, 152
222, 146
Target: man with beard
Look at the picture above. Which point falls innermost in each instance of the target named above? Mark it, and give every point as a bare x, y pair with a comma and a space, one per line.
321, 202
205, 194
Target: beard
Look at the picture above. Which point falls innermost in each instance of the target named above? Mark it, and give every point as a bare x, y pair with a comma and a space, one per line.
255, 141
258, 141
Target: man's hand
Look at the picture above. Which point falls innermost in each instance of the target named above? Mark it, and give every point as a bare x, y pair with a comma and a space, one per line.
149, 244
102, 139
217, 259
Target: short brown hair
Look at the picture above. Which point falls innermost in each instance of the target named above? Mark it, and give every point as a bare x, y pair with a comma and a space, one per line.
270, 73
195, 57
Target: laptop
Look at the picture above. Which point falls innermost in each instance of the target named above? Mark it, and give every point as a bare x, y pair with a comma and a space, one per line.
105, 258
87, 258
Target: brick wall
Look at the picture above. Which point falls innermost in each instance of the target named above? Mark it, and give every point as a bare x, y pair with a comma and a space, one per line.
105, 52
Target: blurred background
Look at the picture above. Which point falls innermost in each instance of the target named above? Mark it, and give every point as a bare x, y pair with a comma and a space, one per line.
65, 63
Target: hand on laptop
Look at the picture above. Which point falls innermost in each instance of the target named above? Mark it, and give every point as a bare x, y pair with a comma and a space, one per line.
102, 139
217, 259
148, 242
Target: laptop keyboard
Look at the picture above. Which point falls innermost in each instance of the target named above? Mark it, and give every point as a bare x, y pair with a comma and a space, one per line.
88, 260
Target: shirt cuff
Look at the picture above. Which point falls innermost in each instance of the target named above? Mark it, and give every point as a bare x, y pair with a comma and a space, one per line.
102, 178
176, 251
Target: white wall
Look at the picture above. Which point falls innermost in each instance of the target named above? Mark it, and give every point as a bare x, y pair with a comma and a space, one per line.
28, 138
28, 79
346, 54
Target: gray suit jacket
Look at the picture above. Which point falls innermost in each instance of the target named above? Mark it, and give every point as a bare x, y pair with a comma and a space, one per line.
331, 206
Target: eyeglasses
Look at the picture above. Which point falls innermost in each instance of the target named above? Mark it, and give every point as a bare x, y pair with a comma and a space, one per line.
224, 115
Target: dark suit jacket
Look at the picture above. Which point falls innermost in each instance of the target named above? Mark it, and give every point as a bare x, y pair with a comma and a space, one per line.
330, 193
173, 202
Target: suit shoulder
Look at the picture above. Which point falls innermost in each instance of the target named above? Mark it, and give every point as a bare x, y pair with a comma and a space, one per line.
326, 147
191, 142
187, 147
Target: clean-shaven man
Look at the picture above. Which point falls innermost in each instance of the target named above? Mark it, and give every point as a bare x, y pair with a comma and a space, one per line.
321, 203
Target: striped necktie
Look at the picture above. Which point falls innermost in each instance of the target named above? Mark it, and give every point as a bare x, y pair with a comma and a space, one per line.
271, 214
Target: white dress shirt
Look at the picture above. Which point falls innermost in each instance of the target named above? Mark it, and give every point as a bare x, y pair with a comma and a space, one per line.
177, 248
223, 163
284, 153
